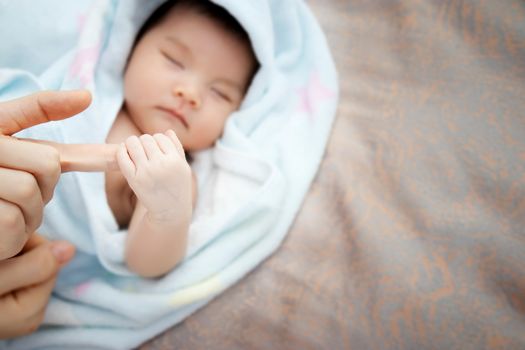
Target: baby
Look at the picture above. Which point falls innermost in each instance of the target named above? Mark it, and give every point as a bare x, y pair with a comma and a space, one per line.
189, 70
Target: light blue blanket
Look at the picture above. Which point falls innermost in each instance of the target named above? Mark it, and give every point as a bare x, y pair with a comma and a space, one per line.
251, 184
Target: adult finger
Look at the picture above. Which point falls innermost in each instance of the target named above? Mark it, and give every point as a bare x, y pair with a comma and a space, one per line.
82, 157
23, 308
32, 299
34, 240
87, 157
34, 266
27, 269
26, 195
63, 251
13, 233
41, 107
40, 160
14, 322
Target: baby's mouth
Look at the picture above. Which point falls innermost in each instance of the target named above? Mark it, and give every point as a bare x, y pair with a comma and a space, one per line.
176, 115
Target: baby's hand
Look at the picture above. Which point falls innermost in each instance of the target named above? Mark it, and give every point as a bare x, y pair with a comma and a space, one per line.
157, 171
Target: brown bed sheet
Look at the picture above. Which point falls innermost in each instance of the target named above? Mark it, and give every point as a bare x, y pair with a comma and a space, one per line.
412, 235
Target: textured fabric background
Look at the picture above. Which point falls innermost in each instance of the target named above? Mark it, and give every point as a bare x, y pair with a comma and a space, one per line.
413, 234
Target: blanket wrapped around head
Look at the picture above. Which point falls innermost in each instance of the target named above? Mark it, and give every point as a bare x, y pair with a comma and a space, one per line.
251, 183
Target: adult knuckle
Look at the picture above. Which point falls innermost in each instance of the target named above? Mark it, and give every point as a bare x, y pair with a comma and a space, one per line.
12, 248
27, 186
35, 223
13, 235
11, 219
12, 242
51, 161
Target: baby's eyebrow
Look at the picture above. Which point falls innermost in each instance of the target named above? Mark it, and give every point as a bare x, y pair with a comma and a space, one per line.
178, 43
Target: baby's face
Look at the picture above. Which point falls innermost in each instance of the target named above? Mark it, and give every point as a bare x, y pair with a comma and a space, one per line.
188, 74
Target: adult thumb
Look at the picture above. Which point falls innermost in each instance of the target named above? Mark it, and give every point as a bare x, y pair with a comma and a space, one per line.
63, 251
41, 107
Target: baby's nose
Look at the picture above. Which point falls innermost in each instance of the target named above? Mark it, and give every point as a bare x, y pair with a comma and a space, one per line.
189, 95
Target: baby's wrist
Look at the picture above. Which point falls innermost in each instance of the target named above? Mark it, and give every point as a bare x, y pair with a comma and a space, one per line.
166, 217
162, 217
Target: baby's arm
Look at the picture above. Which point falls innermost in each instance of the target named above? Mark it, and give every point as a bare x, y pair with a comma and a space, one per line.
157, 171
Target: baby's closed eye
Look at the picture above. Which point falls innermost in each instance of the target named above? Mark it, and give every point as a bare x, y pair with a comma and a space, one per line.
221, 94
173, 60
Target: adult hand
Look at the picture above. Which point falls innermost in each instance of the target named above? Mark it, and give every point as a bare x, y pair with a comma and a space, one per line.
29, 171
28, 175
27, 282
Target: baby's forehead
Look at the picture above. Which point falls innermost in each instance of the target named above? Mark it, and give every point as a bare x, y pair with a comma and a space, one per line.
182, 20
211, 12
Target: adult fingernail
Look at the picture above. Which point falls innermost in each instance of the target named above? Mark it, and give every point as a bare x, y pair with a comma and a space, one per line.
62, 251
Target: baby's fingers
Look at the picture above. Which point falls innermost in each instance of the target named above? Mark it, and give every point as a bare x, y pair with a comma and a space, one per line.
176, 142
151, 148
165, 144
126, 165
136, 151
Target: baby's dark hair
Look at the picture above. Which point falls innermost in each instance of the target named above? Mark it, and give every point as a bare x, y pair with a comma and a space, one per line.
204, 7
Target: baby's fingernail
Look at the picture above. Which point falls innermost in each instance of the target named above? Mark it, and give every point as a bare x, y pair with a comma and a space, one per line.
62, 251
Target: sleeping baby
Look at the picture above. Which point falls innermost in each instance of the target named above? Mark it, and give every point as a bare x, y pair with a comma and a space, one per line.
190, 67
160, 96
189, 70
